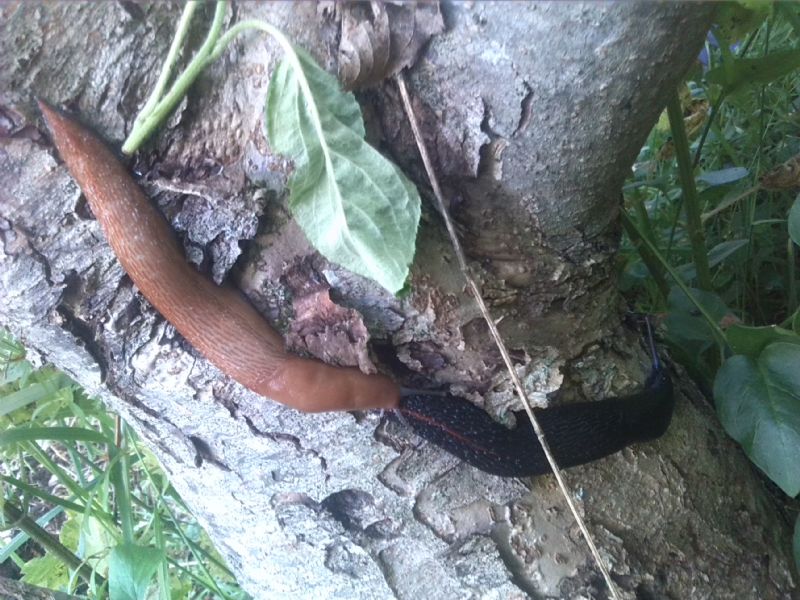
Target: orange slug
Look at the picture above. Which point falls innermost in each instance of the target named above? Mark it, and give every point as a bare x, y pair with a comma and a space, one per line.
217, 320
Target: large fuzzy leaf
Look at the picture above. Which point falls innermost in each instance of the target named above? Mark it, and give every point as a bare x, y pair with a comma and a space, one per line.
758, 402
354, 206
751, 341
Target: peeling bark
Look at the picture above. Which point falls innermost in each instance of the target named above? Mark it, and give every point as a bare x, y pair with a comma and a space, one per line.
534, 115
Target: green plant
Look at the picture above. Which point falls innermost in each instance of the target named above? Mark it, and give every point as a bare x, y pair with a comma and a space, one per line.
356, 207
723, 217
110, 523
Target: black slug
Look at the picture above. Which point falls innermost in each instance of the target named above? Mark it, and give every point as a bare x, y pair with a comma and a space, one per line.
577, 433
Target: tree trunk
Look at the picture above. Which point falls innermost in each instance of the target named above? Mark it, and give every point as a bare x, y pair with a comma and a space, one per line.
17, 590
534, 113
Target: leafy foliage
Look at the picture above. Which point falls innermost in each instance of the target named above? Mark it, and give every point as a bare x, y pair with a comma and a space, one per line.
131, 568
757, 402
739, 118
46, 571
736, 19
736, 75
723, 176
51, 431
354, 206
751, 341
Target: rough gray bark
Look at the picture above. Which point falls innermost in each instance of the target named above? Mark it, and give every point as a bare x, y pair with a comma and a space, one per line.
17, 590
535, 111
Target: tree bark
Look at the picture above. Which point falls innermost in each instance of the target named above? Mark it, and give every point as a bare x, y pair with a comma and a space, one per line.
17, 590
535, 113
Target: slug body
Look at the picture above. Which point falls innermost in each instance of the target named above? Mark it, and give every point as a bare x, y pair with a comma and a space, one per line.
223, 326
577, 433
216, 320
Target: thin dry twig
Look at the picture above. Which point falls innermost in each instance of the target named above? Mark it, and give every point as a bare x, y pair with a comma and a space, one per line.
462, 263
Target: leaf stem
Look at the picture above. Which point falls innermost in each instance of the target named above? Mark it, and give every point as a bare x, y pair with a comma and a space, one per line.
290, 55
120, 480
49, 542
151, 117
714, 108
167, 104
642, 216
169, 63
648, 258
715, 328
210, 581
694, 224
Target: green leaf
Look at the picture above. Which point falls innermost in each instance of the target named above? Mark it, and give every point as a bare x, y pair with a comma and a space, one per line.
131, 569
794, 221
684, 322
46, 571
758, 403
687, 331
31, 394
735, 19
10, 349
744, 72
16, 371
723, 250
678, 301
788, 11
50, 408
70, 533
751, 341
715, 256
354, 206
93, 540
13, 366
63, 434
723, 176
684, 327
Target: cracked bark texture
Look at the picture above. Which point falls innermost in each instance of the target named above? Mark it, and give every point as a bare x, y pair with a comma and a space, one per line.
534, 113
17, 590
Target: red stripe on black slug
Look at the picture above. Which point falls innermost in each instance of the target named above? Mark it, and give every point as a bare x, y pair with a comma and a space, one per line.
434, 420
577, 433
